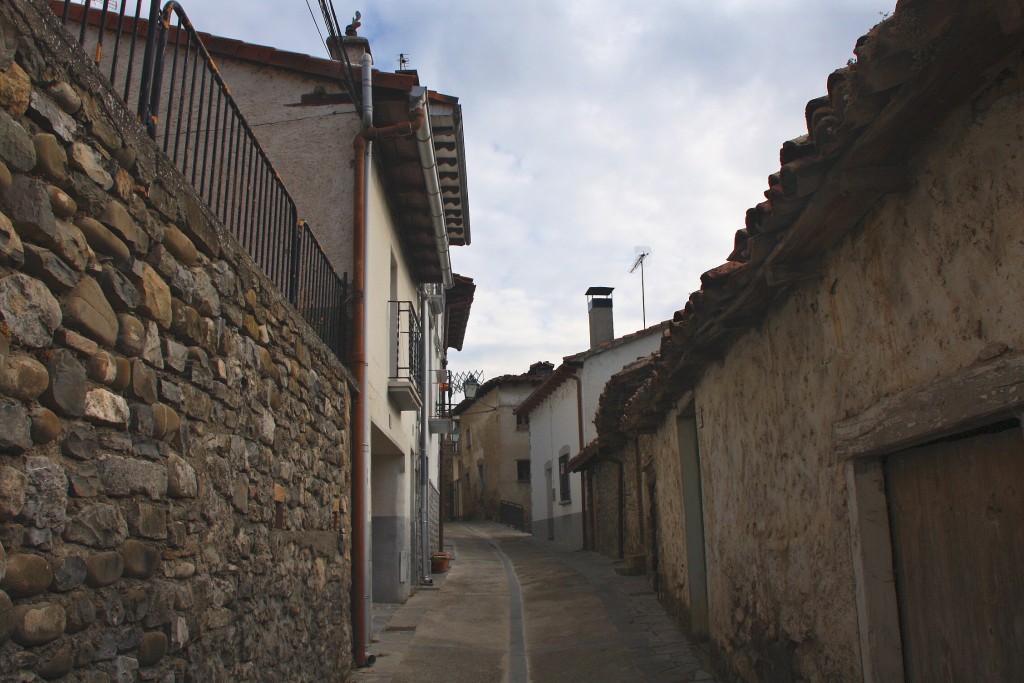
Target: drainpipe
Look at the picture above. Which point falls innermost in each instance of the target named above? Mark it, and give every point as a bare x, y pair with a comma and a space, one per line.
583, 475
363, 148
425, 145
425, 577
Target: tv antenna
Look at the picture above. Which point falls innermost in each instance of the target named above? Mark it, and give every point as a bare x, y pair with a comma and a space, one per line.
641, 254
403, 61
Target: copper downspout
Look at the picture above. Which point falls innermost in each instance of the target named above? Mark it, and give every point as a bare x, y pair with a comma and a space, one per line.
359, 447
583, 475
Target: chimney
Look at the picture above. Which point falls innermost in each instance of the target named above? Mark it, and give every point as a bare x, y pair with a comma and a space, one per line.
354, 46
599, 306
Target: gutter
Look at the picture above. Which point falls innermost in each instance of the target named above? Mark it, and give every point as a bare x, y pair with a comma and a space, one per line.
428, 161
363, 147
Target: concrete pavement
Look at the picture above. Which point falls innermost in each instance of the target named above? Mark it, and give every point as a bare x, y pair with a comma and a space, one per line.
516, 609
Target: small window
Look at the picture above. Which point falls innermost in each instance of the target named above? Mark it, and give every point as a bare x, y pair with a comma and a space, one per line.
522, 421
469, 438
523, 470
563, 478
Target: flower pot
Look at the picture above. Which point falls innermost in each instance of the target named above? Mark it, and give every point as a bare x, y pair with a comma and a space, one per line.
439, 563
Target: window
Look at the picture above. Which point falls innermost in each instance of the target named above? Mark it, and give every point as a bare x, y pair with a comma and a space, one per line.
563, 476
522, 421
469, 438
523, 470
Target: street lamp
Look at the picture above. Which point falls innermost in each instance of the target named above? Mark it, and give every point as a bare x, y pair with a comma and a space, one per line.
469, 387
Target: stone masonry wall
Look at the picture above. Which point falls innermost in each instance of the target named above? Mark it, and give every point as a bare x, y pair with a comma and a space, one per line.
174, 463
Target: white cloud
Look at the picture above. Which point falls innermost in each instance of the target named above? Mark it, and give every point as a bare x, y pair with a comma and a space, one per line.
593, 126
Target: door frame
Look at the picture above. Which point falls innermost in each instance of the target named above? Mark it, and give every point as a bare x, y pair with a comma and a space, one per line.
987, 392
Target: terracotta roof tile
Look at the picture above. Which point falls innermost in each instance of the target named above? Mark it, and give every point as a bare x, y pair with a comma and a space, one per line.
911, 70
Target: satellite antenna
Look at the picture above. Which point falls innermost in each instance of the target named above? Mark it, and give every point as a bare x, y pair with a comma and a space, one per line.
641, 254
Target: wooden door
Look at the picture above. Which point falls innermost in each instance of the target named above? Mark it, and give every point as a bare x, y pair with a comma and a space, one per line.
957, 515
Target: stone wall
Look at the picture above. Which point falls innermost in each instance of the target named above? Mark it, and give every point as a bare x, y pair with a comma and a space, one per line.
174, 463
928, 286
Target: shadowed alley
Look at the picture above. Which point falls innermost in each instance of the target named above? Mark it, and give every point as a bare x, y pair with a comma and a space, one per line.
516, 609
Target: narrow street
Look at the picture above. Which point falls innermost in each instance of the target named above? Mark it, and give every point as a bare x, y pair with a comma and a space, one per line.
514, 609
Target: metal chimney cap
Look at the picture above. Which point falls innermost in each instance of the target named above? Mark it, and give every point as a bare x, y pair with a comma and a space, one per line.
599, 291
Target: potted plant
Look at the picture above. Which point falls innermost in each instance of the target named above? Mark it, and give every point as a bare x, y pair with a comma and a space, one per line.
439, 562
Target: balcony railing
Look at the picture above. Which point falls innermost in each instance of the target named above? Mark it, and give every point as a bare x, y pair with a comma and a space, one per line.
405, 379
189, 112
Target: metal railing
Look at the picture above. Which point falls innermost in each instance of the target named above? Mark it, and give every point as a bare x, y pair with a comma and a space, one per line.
511, 514
206, 136
406, 344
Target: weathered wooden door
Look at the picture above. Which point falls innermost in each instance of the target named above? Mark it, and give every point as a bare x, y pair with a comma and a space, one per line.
957, 515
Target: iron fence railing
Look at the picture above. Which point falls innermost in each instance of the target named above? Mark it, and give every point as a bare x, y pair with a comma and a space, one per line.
189, 112
511, 514
406, 344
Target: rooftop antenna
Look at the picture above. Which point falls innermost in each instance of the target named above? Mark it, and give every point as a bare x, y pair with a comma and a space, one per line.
403, 61
641, 254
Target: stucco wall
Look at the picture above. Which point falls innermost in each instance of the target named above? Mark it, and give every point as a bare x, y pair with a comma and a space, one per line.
175, 445
929, 285
554, 425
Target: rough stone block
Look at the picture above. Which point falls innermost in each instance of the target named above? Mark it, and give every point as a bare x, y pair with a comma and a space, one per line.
121, 293
75, 341
66, 391
85, 481
137, 603
15, 89
149, 521
103, 368
131, 334
49, 114
117, 218
155, 294
144, 382
198, 228
181, 478
26, 576
80, 442
68, 573
46, 426
7, 618
50, 268
23, 377
12, 250
87, 160
103, 240
12, 493
38, 624
126, 476
151, 346
46, 497
29, 310
65, 97
86, 309
152, 648
97, 526
103, 407
57, 665
81, 611
16, 148
63, 205
140, 560
103, 569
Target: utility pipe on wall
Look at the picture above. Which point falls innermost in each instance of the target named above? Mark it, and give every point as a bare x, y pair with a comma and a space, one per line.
362, 145
583, 475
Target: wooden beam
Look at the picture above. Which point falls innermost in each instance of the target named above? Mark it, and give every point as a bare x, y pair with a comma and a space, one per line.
972, 397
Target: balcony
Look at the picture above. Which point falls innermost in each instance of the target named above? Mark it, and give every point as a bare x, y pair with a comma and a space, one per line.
405, 378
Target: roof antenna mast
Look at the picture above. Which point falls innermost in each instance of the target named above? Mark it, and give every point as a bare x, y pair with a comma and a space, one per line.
641, 254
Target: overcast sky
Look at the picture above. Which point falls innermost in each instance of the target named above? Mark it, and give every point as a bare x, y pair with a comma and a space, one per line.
592, 127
